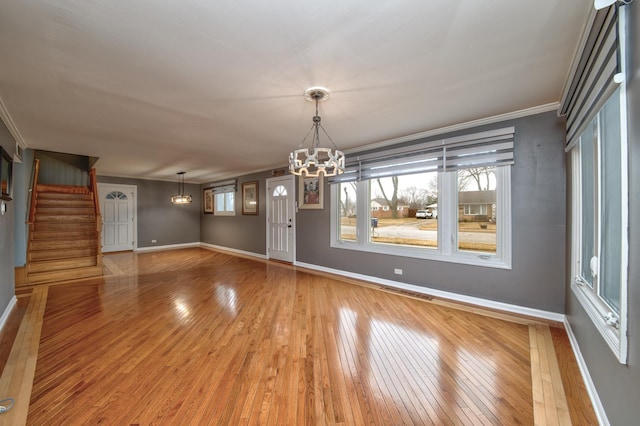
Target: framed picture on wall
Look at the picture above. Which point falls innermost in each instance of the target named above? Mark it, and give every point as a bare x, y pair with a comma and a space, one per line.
311, 193
6, 173
250, 197
207, 200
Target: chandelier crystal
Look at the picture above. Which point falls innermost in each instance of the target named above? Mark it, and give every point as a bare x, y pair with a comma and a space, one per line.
316, 161
181, 198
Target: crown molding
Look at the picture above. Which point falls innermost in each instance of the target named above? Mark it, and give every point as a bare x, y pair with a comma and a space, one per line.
8, 121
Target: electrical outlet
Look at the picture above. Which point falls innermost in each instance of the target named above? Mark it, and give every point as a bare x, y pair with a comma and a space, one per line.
397, 271
154, 241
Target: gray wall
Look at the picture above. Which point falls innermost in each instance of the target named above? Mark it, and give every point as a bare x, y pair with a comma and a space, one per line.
618, 386
160, 220
7, 233
240, 232
21, 199
538, 228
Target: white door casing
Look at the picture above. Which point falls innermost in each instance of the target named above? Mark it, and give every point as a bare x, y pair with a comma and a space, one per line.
118, 209
281, 229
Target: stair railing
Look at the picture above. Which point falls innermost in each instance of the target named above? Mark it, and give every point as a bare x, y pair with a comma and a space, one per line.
34, 184
93, 187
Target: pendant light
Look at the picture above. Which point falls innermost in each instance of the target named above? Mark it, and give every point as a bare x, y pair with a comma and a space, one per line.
316, 161
181, 198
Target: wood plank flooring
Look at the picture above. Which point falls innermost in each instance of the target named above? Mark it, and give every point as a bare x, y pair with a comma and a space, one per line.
201, 337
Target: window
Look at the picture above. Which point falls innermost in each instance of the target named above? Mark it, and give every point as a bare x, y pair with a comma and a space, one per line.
477, 210
224, 198
481, 237
224, 203
280, 191
347, 212
599, 234
594, 103
398, 229
474, 209
116, 195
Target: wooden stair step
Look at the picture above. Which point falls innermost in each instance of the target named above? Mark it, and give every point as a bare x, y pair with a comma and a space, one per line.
61, 264
22, 291
64, 189
65, 218
62, 226
64, 275
72, 210
70, 234
62, 196
55, 254
55, 202
62, 244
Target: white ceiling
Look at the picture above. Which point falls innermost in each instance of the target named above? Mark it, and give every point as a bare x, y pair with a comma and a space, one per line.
215, 88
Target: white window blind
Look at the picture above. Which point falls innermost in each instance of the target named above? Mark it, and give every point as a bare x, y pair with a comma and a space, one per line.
226, 186
593, 77
483, 149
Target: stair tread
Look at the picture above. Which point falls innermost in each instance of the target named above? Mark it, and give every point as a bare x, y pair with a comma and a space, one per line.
63, 234
38, 245
63, 196
57, 261
81, 245
35, 267
65, 218
61, 189
63, 275
61, 225
73, 209
58, 254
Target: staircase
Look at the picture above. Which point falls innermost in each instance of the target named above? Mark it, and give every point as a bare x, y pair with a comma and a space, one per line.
64, 238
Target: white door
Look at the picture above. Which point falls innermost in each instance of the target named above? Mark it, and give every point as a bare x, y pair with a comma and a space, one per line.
117, 205
281, 227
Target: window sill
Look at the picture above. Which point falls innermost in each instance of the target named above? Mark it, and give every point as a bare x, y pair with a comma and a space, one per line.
615, 339
426, 254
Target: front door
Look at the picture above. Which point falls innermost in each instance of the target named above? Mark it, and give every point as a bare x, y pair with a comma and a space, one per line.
117, 205
281, 218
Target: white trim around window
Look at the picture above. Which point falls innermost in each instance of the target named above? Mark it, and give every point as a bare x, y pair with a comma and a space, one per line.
224, 203
600, 251
447, 233
611, 325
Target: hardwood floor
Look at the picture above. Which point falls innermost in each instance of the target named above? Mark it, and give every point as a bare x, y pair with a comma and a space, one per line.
201, 337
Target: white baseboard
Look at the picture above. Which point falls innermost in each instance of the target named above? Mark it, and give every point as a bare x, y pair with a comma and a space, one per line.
485, 303
203, 245
233, 251
7, 312
166, 247
586, 377
506, 307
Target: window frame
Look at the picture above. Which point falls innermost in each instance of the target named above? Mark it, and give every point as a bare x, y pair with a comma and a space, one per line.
601, 314
227, 210
447, 250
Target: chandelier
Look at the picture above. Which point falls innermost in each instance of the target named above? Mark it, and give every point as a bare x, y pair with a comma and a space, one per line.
314, 161
181, 198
